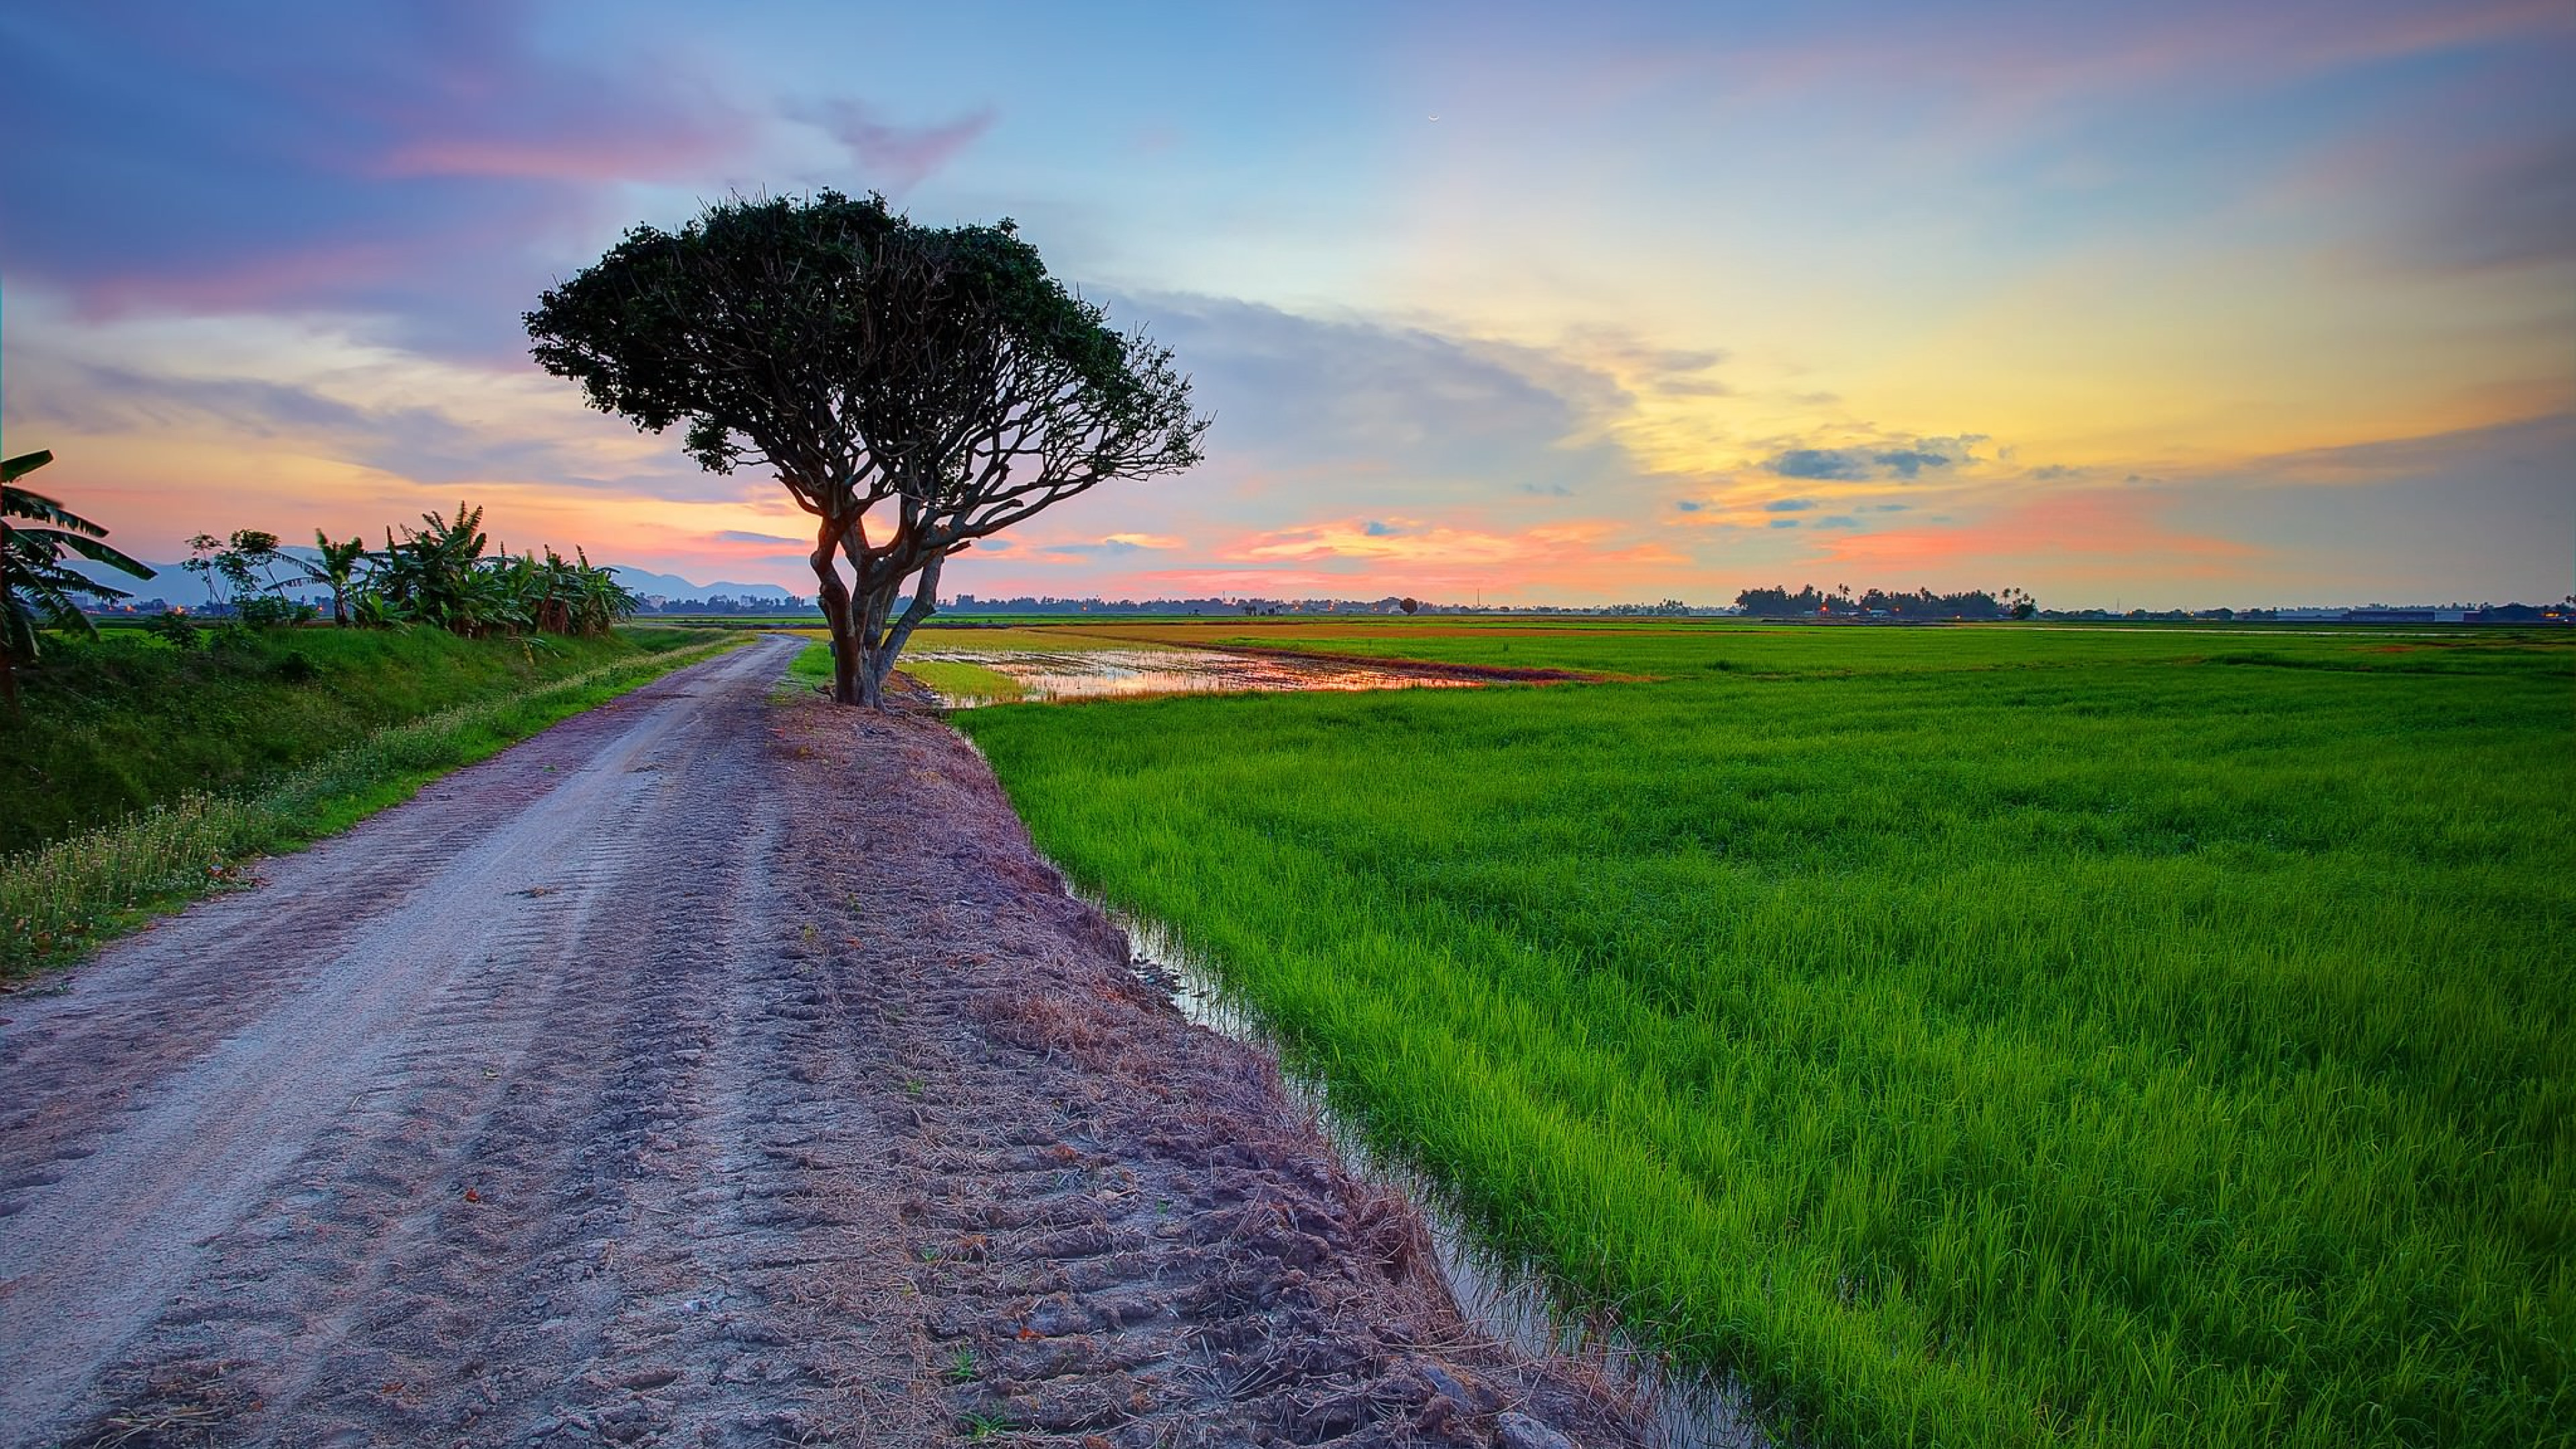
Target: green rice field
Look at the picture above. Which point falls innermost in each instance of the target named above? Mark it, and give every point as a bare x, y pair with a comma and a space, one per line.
1981, 1036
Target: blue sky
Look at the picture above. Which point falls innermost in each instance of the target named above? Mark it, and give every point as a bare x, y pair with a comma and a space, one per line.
2181, 304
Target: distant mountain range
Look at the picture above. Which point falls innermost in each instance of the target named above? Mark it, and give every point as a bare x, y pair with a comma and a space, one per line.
168, 580
672, 586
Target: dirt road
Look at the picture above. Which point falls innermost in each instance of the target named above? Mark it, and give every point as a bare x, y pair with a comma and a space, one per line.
654, 1082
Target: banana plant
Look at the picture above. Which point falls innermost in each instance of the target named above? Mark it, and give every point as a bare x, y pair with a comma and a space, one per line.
37, 590
434, 575
544, 592
337, 568
599, 600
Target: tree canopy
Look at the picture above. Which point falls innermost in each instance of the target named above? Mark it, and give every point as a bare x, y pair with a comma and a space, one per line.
914, 388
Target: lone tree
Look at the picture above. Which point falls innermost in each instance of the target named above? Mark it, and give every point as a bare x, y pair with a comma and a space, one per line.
915, 388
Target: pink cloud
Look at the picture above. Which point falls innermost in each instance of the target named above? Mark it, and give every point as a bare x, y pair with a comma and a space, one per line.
1363, 557
2072, 529
251, 281
1360, 558
627, 157
903, 157
703, 556
482, 99
398, 159
1413, 540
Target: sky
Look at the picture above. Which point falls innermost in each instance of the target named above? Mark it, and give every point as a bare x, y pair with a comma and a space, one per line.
2152, 305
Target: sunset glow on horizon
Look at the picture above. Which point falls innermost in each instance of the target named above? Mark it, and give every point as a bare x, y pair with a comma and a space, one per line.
2179, 306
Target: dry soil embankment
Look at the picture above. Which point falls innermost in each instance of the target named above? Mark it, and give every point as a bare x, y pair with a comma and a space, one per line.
654, 1082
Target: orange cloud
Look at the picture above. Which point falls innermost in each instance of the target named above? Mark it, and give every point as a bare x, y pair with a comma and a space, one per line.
1394, 553
1408, 540
2075, 528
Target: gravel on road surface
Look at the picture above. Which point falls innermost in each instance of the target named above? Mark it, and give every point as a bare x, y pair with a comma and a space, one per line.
715, 1068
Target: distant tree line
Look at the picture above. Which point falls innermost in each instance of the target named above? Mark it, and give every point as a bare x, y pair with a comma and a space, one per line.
1211, 604
1779, 603
764, 605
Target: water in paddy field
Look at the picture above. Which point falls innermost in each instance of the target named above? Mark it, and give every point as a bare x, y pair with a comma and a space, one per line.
1102, 673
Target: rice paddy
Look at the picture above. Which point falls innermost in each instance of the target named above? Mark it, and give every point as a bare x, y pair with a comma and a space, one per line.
1966, 1036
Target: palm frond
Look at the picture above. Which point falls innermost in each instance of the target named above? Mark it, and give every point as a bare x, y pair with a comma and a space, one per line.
19, 467
58, 541
23, 503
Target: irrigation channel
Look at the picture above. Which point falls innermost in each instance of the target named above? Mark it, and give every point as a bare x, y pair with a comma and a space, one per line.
1507, 1298
1047, 675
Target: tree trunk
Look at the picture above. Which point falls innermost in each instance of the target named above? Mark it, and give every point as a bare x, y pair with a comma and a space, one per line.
845, 663
837, 621
866, 638
875, 660
925, 602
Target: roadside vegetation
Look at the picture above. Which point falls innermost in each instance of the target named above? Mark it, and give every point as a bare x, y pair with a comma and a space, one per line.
141, 763
125, 722
1973, 1036
159, 772
437, 575
216, 700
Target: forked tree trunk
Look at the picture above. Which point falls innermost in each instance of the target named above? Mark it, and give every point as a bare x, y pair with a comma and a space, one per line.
866, 637
889, 633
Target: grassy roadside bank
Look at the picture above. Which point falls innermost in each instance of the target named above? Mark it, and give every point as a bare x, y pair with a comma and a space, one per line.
1973, 1037
61, 899
125, 722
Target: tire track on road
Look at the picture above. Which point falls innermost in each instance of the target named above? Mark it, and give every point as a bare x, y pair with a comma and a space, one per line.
235, 1130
